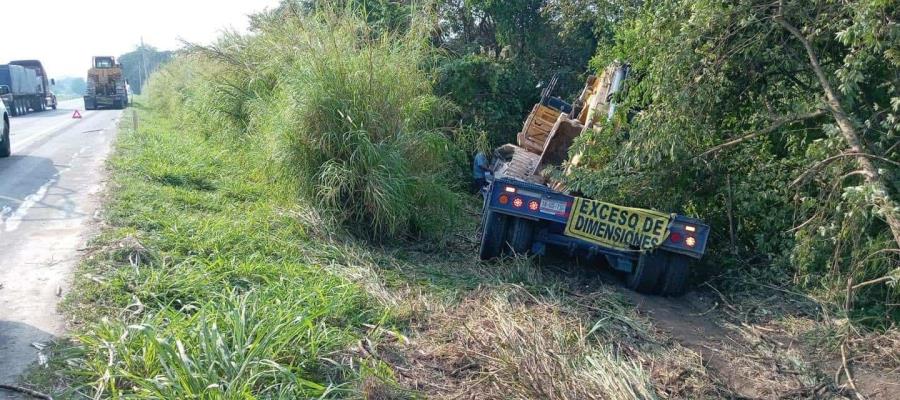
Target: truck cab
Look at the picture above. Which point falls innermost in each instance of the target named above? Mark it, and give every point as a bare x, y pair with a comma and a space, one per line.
6, 96
45, 98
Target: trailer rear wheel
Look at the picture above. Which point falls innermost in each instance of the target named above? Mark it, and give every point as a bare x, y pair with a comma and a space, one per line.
493, 232
648, 269
520, 235
676, 277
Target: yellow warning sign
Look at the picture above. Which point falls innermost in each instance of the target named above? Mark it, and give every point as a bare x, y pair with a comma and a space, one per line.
618, 227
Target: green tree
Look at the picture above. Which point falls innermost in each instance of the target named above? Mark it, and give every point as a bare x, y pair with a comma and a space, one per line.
140, 63
776, 122
499, 53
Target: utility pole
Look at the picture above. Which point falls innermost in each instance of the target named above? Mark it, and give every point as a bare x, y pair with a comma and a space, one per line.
143, 65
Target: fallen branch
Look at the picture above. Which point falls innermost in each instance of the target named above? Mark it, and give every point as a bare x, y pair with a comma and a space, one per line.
890, 149
32, 393
848, 374
879, 252
812, 391
874, 281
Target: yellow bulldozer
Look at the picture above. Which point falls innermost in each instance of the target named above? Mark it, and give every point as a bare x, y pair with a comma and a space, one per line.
106, 86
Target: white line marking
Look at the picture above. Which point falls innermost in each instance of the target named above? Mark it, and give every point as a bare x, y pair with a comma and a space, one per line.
13, 221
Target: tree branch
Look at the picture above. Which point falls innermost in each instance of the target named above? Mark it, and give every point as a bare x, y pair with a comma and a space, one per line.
847, 129
804, 176
874, 281
777, 123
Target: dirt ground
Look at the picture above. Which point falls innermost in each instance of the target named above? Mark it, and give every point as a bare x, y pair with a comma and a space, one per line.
509, 340
766, 354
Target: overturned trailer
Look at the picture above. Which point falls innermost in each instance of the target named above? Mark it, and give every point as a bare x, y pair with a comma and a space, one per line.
526, 211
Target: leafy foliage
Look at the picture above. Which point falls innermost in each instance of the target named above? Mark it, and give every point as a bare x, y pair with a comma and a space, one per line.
724, 117
708, 73
70, 87
139, 64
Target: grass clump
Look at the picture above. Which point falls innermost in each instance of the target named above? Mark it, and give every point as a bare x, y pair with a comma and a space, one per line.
365, 128
347, 112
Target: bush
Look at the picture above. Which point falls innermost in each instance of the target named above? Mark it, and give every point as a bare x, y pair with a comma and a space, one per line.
494, 95
348, 112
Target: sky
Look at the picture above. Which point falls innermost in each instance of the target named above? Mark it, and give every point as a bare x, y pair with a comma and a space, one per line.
70, 32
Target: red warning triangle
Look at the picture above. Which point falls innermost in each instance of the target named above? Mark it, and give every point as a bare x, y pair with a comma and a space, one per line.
76, 115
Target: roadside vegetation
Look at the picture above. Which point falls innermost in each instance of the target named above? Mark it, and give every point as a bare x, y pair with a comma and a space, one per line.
348, 112
211, 280
287, 219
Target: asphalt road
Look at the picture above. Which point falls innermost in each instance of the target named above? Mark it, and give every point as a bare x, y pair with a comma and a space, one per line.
49, 194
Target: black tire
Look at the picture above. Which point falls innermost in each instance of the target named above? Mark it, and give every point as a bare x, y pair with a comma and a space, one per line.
674, 282
493, 228
520, 236
648, 270
5, 146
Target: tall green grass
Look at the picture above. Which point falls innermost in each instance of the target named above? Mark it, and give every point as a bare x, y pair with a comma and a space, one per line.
203, 285
348, 113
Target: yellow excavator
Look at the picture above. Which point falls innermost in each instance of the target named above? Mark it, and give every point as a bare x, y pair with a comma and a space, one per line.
552, 126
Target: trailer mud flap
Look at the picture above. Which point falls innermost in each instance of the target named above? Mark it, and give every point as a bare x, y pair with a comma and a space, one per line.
618, 227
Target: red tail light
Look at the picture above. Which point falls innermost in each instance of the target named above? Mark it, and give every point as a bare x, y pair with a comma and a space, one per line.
518, 202
675, 237
533, 205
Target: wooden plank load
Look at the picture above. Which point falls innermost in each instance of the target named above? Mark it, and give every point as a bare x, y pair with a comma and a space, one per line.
537, 128
517, 163
549, 132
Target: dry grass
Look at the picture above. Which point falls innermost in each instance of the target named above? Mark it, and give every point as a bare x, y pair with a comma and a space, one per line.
504, 342
523, 331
